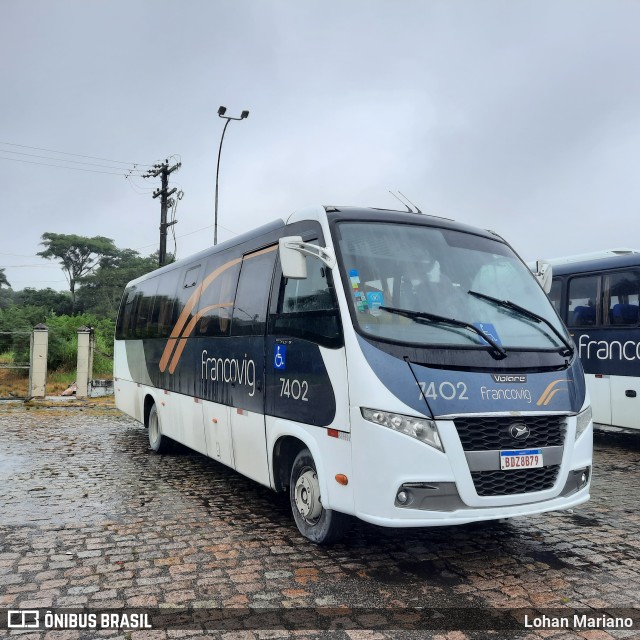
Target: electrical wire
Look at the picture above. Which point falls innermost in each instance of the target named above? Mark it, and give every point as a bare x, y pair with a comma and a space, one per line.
61, 166
88, 164
78, 155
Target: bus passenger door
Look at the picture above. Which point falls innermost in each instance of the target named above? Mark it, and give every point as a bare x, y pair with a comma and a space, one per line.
246, 364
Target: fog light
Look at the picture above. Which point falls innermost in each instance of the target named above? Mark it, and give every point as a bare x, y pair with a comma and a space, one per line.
402, 497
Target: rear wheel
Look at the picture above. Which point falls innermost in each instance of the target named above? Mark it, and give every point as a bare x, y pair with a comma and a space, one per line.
158, 442
320, 525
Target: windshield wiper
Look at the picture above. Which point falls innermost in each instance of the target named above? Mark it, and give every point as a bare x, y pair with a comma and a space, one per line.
432, 317
512, 306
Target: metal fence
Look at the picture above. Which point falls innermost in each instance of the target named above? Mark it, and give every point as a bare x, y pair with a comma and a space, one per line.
15, 369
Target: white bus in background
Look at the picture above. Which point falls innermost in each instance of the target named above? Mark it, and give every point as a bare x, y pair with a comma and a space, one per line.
400, 368
598, 297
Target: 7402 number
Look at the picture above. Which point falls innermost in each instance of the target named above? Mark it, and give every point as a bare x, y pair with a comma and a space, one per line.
296, 389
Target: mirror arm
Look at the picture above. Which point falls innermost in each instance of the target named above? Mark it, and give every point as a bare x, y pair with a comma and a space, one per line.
326, 255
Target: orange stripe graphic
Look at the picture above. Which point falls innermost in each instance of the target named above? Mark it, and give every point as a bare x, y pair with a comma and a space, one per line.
547, 394
178, 338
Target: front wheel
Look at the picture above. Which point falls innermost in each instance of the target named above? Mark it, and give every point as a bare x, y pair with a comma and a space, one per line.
158, 442
320, 525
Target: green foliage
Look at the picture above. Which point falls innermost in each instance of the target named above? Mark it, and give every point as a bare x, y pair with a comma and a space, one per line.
3, 279
101, 291
57, 302
63, 341
78, 255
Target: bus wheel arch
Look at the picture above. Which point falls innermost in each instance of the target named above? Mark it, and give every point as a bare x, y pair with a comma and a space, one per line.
314, 521
157, 441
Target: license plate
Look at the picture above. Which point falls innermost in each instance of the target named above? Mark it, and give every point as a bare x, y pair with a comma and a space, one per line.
521, 459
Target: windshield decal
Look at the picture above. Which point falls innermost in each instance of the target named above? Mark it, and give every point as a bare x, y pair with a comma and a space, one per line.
488, 329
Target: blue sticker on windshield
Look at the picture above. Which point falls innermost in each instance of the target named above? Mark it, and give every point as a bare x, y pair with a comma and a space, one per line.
489, 330
375, 300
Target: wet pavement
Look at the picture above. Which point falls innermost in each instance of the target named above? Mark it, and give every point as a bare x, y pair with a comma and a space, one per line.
91, 518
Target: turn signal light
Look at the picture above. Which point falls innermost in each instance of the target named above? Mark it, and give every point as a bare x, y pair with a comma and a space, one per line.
342, 479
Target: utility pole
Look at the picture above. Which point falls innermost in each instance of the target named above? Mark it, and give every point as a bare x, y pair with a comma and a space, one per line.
163, 170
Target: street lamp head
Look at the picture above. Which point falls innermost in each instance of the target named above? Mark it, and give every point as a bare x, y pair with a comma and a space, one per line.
244, 114
222, 111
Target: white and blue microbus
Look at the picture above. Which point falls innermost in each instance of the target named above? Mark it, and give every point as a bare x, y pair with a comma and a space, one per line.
598, 297
400, 368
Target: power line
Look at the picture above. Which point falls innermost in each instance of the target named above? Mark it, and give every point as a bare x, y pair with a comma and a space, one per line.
89, 164
78, 155
61, 166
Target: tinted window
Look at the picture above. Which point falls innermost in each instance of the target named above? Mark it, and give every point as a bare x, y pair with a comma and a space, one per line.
216, 301
308, 308
126, 314
555, 295
624, 290
583, 300
144, 325
187, 294
250, 310
165, 307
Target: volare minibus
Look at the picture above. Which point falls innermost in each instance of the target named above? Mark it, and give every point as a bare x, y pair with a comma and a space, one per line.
598, 297
401, 368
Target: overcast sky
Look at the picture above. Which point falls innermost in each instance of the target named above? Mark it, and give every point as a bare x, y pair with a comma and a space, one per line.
518, 116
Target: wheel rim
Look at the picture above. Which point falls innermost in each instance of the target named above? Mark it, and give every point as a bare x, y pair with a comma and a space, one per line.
307, 496
153, 427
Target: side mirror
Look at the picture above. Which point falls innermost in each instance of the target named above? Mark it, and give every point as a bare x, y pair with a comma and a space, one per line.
292, 252
544, 275
291, 260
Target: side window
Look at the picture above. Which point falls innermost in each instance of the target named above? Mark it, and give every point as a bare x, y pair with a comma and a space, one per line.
555, 296
216, 302
144, 322
252, 296
583, 301
126, 314
308, 308
165, 307
624, 290
187, 286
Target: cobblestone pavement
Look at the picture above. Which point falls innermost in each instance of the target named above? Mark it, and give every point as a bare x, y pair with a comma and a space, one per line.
91, 518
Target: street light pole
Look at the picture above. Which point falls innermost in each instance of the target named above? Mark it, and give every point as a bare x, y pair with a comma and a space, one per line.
221, 112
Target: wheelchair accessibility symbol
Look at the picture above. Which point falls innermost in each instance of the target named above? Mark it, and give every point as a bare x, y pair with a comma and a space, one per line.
280, 356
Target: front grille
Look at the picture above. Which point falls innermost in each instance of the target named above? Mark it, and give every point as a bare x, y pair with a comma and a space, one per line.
492, 432
505, 483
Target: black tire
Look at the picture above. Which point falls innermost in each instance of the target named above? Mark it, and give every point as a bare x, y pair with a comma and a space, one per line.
320, 525
158, 442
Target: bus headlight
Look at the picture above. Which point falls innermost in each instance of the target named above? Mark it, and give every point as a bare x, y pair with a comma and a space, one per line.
582, 421
421, 429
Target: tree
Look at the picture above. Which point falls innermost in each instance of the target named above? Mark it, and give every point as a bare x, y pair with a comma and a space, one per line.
100, 292
78, 255
58, 302
3, 279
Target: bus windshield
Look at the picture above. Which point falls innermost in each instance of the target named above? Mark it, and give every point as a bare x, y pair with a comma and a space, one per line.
434, 287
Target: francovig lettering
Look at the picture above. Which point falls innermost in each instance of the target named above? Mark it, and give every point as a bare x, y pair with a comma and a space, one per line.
230, 371
604, 350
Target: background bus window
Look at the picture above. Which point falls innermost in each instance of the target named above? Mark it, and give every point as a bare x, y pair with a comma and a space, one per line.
624, 290
216, 301
308, 308
555, 296
250, 310
583, 299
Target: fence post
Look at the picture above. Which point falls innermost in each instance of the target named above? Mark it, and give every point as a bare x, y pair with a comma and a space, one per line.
38, 361
84, 373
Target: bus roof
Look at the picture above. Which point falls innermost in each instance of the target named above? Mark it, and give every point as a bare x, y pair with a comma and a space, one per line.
333, 214
610, 260
371, 214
